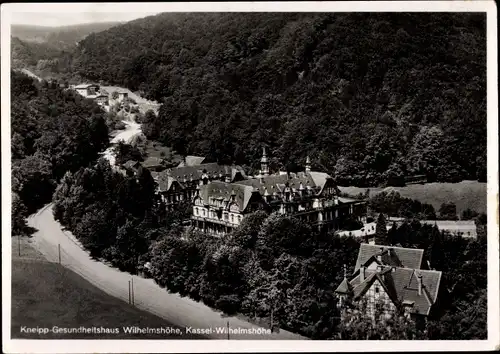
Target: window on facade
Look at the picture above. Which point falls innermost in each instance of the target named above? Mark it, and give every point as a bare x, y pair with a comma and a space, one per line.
232, 218
377, 289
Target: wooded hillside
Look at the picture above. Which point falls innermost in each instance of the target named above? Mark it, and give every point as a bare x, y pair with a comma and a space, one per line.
64, 37
52, 131
46, 50
370, 97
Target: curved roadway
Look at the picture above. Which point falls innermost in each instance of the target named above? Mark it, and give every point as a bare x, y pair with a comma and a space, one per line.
180, 311
175, 309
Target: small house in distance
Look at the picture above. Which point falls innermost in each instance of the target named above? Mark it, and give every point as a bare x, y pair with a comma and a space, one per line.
122, 95
154, 164
191, 161
102, 100
87, 89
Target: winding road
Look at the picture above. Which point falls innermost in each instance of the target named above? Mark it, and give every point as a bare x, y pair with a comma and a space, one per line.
180, 311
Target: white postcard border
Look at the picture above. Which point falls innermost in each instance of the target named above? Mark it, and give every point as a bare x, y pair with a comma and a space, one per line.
116, 346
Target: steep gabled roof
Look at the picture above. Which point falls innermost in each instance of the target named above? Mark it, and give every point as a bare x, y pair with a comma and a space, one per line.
362, 287
401, 284
345, 287
394, 256
222, 191
152, 161
131, 164
276, 183
192, 161
196, 172
165, 181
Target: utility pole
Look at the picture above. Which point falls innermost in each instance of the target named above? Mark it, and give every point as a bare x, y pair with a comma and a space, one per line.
132, 288
59, 252
228, 330
129, 294
272, 324
19, 244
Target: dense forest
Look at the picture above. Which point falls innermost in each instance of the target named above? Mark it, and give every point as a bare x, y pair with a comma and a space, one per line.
64, 37
269, 265
52, 131
372, 98
47, 50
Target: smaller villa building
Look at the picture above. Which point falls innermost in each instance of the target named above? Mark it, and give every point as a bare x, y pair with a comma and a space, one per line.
394, 278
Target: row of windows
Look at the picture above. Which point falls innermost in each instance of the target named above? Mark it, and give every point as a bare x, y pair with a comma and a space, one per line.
213, 214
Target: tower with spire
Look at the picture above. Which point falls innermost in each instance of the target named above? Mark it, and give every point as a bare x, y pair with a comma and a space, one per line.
264, 167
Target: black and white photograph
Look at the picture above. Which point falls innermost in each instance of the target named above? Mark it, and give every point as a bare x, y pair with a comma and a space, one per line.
213, 177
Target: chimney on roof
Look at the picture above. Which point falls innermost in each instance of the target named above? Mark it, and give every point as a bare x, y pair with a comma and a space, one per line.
419, 281
379, 256
362, 274
308, 164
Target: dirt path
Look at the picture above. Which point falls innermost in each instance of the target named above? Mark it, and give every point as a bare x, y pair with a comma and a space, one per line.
149, 296
132, 129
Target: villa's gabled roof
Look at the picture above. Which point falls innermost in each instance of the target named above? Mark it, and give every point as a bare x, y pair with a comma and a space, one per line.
394, 256
398, 273
345, 287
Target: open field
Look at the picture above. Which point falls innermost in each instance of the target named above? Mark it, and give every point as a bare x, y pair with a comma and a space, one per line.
466, 194
46, 294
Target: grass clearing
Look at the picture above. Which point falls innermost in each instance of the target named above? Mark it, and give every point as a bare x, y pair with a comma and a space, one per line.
46, 294
466, 194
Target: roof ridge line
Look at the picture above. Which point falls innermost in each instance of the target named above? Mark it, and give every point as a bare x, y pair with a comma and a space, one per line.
385, 246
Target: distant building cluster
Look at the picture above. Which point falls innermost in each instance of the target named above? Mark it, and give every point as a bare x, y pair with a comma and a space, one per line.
101, 97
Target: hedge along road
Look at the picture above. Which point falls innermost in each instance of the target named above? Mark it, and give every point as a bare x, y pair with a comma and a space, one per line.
148, 296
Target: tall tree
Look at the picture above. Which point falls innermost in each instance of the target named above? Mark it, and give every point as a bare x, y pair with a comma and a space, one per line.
381, 231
